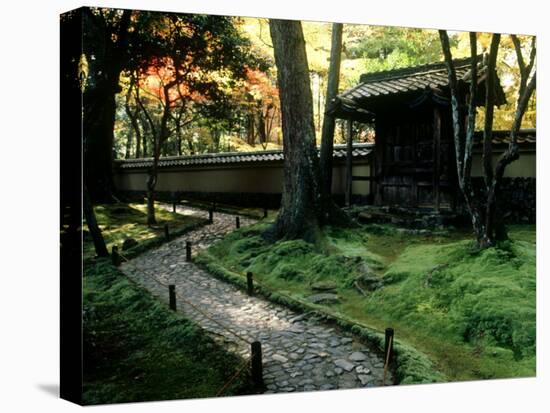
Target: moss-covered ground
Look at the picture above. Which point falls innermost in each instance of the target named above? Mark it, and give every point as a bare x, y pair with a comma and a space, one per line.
136, 349
121, 221
471, 312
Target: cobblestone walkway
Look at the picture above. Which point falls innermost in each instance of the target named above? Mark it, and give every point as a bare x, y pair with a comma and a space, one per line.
300, 353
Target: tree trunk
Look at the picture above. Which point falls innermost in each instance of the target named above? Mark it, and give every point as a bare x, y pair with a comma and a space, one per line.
144, 138
262, 129
327, 136
98, 125
129, 140
300, 204
489, 236
99, 102
138, 141
95, 232
151, 183
250, 131
133, 116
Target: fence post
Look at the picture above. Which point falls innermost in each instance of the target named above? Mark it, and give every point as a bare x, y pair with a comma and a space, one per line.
256, 363
249, 283
388, 344
174, 207
166, 232
237, 222
265, 212
210, 215
115, 258
188, 251
172, 295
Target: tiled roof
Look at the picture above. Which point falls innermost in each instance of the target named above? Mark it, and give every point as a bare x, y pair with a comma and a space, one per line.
405, 80
502, 137
216, 159
430, 77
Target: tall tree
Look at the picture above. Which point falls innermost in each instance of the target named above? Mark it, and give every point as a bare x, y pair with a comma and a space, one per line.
327, 136
105, 42
300, 204
193, 59
482, 208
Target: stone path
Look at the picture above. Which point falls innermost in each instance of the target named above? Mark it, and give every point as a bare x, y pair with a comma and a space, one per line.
300, 353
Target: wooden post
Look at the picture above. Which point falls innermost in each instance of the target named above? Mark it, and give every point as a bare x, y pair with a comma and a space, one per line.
174, 207
249, 283
237, 222
172, 295
437, 157
349, 162
210, 216
166, 232
379, 160
256, 363
265, 212
115, 258
188, 251
388, 344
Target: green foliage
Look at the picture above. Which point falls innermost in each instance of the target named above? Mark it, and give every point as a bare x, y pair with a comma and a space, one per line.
471, 313
384, 48
136, 349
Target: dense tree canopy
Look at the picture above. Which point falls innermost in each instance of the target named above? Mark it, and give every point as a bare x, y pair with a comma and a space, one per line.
245, 113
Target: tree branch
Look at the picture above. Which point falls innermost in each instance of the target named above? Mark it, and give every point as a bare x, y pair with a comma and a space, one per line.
532, 54
519, 55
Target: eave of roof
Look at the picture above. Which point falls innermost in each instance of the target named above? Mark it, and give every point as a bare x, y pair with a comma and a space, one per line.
525, 137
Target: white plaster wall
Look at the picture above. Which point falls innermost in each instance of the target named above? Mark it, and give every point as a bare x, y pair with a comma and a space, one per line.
525, 166
267, 179
256, 179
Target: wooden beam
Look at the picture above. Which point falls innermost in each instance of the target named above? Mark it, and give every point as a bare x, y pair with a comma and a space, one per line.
349, 162
437, 157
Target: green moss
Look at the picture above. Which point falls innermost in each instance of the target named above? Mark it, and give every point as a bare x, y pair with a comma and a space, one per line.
469, 314
136, 349
119, 222
465, 295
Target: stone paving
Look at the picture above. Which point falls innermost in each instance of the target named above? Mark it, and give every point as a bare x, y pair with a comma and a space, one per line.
300, 353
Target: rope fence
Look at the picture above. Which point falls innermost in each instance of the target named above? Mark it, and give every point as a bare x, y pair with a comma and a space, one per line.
254, 362
179, 297
243, 366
